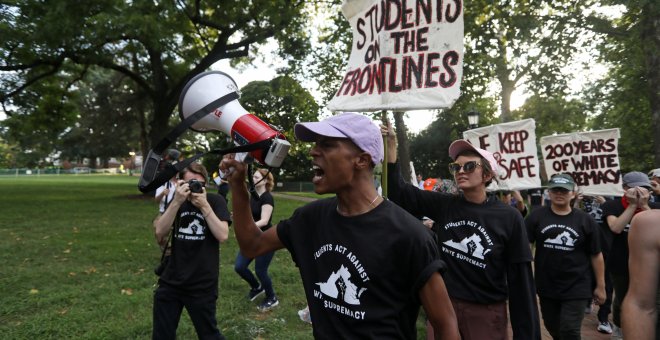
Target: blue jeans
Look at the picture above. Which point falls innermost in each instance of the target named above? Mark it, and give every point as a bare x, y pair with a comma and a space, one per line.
261, 269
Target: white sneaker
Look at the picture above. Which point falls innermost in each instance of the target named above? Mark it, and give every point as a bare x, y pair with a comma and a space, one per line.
605, 327
617, 334
304, 315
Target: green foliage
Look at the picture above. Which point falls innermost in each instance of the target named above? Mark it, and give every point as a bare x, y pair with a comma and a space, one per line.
553, 115
7, 154
429, 150
106, 127
282, 102
522, 42
628, 97
159, 46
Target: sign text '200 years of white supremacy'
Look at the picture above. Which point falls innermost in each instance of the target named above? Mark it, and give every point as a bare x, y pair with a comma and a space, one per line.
409, 63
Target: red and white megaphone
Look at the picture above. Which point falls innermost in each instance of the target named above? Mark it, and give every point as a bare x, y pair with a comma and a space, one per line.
231, 118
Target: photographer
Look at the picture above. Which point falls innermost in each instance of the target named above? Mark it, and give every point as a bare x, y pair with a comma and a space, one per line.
190, 278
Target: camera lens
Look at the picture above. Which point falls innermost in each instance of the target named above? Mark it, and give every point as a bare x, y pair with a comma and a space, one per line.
195, 186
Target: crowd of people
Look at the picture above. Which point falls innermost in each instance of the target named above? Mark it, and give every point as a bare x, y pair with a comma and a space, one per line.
474, 260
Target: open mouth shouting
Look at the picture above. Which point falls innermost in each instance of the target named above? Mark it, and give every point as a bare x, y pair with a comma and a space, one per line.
319, 174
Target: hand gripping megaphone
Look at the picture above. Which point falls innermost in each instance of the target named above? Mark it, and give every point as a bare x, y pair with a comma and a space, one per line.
230, 118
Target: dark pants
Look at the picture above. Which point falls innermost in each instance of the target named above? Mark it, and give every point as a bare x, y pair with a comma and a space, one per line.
478, 321
562, 318
168, 305
606, 308
620, 289
261, 264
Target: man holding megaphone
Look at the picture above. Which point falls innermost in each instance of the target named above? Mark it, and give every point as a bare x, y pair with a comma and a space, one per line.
366, 264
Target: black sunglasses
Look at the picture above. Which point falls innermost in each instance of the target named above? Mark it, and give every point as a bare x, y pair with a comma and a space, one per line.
468, 167
559, 190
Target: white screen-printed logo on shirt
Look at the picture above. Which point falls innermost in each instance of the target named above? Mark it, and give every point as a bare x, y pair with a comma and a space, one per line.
564, 237
342, 290
472, 248
193, 229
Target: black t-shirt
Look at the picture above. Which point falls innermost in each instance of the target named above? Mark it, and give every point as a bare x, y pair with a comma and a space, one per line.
256, 202
361, 274
477, 241
618, 259
564, 246
195, 259
535, 197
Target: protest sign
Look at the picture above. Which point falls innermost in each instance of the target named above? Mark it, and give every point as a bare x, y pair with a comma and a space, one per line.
513, 145
592, 158
406, 55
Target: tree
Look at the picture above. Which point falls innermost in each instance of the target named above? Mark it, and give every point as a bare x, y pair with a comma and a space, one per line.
106, 127
523, 42
282, 102
629, 97
159, 45
554, 115
430, 148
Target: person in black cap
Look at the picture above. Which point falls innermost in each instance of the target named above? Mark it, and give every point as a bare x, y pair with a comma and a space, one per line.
617, 214
567, 253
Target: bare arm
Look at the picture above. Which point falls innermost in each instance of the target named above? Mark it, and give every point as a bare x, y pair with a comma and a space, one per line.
598, 266
438, 308
520, 203
639, 306
388, 131
159, 195
252, 241
266, 212
618, 223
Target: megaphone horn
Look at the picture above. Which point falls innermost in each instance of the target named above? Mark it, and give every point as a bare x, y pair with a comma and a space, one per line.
231, 118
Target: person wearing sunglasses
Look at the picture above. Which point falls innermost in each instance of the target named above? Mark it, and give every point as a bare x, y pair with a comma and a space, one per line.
199, 223
483, 242
567, 259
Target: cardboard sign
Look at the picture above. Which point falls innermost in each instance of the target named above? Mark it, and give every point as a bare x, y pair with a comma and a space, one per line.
406, 55
591, 158
513, 145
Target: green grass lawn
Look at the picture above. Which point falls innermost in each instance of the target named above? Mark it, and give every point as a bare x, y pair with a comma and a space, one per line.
78, 255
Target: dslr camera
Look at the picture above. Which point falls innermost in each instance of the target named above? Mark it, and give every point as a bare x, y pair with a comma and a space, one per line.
195, 186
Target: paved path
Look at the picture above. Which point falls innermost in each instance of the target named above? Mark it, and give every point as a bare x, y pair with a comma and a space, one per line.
589, 324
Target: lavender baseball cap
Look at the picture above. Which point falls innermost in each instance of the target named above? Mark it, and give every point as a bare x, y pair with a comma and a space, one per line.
461, 145
356, 127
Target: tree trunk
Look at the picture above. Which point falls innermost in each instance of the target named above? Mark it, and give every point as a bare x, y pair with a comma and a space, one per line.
505, 106
404, 152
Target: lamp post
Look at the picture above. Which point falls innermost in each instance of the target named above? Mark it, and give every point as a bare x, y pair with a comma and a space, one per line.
473, 119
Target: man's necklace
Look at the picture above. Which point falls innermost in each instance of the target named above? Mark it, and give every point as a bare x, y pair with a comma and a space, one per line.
371, 206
